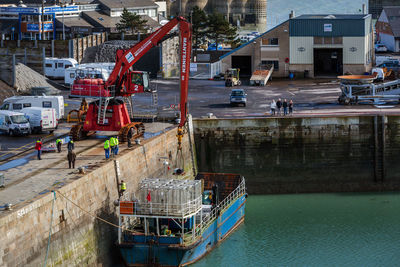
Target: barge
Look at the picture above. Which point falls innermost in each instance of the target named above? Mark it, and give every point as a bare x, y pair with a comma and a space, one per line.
177, 222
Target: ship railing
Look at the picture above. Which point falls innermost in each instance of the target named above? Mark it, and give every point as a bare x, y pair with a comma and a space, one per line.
215, 212
168, 209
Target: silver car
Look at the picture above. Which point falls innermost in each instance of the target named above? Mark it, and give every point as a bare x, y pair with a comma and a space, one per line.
238, 96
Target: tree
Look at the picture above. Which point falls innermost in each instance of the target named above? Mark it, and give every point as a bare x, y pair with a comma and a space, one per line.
130, 22
219, 29
198, 18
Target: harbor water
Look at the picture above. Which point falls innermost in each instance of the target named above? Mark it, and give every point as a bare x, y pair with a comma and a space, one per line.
335, 229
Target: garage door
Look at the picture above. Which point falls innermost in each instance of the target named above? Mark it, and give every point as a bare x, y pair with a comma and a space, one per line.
243, 63
328, 62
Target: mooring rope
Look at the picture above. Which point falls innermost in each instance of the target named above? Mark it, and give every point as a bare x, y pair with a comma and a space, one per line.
93, 215
51, 224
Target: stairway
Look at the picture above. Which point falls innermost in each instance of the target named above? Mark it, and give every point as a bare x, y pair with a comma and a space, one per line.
129, 105
101, 116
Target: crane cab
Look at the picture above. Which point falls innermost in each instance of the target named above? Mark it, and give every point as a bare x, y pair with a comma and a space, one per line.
137, 82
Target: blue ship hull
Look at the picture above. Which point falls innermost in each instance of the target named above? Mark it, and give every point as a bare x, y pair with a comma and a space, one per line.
164, 251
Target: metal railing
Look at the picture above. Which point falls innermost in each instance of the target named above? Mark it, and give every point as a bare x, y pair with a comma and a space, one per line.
168, 209
235, 194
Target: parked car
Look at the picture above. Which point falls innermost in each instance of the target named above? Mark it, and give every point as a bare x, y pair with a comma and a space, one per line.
14, 123
380, 48
238, 96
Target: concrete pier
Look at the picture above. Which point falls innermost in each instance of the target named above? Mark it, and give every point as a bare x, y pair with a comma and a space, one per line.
77, 237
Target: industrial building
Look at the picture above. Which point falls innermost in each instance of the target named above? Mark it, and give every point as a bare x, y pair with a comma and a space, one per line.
247, 14
28, 20
310, 45
375, 6
388, 28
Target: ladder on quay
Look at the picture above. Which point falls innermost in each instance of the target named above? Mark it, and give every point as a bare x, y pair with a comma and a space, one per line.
379, 148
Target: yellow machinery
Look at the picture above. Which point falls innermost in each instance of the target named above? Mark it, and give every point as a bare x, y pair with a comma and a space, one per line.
232, 77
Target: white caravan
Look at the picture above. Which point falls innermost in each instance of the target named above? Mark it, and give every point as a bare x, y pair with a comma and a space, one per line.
17, 103
85, 72
41, 119
14, 123
55, 67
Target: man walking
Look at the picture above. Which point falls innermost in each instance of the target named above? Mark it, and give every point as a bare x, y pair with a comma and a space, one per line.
273, 107
58, 144
38, 147
278, 106
291, 107
107, 148
285, 106
71, 145
71, 158
130, 135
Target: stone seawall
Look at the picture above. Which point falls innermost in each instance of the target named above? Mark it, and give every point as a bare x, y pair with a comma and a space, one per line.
293, 155
78, 239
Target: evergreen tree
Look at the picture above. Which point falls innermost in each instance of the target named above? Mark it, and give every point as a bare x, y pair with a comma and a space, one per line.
130, 22
198, 18
219, 29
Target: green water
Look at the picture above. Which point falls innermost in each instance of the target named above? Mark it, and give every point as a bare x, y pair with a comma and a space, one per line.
314, 230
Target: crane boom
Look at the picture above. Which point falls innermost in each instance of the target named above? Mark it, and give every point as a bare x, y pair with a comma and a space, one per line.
132, 55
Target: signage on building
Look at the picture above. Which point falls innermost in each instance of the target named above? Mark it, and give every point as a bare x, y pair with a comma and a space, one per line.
60, 9
18, 10
327, 27
35, 27
32, 27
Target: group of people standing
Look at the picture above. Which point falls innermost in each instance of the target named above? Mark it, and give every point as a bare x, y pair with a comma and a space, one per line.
278, 105
71, 156
113, 145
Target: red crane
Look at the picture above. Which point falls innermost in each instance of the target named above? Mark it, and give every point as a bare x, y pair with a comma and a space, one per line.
109, 113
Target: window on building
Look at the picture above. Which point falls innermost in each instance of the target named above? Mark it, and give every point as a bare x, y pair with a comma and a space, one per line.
318, 40
273, 41
270, 41
267, 63
17, 106
27, 105
46, 104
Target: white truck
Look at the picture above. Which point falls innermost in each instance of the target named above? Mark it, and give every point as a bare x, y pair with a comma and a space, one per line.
55, 67
14, 123
17, 103
41, 119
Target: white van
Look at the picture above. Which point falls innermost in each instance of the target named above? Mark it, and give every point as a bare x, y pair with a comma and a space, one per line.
16, 103
55, 67
14, 123
41, 119
81, 72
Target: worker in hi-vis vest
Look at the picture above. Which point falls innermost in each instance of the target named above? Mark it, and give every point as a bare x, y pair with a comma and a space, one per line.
122, 188
116, 147
107, 148
58, 144
112, 145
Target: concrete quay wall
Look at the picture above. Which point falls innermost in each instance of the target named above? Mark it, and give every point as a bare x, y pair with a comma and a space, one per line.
301, 155
78, 239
